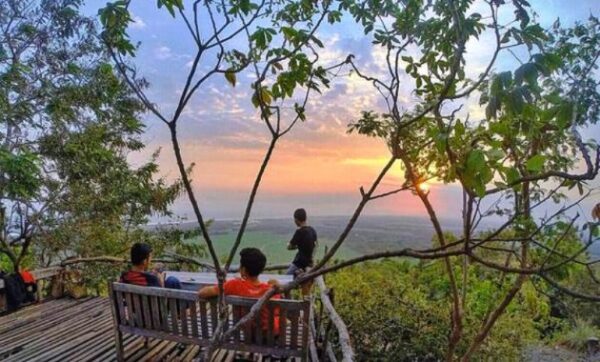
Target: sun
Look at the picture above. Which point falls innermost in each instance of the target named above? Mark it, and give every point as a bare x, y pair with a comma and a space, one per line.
423, 186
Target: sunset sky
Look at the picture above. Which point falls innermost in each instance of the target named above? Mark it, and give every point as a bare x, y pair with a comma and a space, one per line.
317, 166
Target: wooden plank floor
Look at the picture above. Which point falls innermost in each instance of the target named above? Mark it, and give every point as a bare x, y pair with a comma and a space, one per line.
81, 330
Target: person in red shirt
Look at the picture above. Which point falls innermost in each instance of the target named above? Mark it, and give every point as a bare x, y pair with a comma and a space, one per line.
252, 263
141, 258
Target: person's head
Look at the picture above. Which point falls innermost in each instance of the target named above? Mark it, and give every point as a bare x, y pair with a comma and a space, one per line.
252, 262
300, 216
141, 254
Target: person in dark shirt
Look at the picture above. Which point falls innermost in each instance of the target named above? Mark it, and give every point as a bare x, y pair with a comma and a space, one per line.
141, 257
304, 240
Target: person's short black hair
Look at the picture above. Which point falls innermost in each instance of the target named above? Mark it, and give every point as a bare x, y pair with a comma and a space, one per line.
140, 252
300, 215
253, 260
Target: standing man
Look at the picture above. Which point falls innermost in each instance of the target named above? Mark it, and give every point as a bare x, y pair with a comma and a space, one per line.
304, 240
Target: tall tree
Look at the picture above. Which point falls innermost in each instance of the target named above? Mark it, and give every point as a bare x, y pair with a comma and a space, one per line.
520, 157
284, 66
68, 123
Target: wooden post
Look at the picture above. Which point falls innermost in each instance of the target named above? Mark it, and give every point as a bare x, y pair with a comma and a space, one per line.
344, 336
312, 340
116, 322
39, 286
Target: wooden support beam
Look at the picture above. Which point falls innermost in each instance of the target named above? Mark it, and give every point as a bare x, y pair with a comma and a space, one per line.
344, 336
312, 343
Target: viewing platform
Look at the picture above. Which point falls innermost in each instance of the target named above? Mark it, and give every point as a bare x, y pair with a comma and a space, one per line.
67, 329
82, 330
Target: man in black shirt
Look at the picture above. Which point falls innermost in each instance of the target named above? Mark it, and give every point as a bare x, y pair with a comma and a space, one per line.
304, 240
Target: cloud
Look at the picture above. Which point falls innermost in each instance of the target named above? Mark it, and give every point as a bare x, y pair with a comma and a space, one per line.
163, 52
138, 22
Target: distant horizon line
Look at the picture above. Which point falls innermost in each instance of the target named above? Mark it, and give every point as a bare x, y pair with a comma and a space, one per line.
290, 217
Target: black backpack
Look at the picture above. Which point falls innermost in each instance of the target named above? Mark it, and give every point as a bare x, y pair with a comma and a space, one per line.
15, 290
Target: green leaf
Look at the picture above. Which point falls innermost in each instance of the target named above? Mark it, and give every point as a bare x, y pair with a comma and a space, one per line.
495, 154
317, 41
492, 108
289, 33
580, 188
515, 102
528, 72
459, 129
512, 175
535, 163
564, 114
230, 76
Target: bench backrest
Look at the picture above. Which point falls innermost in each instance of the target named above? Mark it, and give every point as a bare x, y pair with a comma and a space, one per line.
180, 315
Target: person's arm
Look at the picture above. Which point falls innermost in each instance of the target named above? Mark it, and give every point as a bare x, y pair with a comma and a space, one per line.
153, 280
293, 244
274, 282
208, 292
161, 279
229, 287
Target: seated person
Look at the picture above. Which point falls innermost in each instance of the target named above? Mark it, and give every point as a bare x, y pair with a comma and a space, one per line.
141, 257
252, 263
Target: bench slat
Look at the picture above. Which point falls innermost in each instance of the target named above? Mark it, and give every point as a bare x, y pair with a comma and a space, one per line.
164, 314
294, 330
146, 312
120, 300
130, 311
155, 312
203, 320
183, 314
282, 327
258, 327
173, 315
304, 325
213, 314
271, 326
139, 321
194, 318
248, 331
159, 292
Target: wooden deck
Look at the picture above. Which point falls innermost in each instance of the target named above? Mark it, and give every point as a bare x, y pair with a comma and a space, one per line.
82, 330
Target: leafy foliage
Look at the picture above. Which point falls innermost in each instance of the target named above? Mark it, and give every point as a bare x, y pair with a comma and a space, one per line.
68, 124
396, 311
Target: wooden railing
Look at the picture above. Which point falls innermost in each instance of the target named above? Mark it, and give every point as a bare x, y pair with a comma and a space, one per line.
322, 323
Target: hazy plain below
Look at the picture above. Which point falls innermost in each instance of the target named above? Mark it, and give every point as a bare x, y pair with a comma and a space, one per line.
370, 234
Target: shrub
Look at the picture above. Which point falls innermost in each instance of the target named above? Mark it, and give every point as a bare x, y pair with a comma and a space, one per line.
576, 338
398, 311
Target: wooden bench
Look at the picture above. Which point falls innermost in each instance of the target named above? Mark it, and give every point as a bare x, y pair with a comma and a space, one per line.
181, 316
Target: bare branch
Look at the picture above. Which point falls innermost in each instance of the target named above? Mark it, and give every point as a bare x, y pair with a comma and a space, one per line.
344, 336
